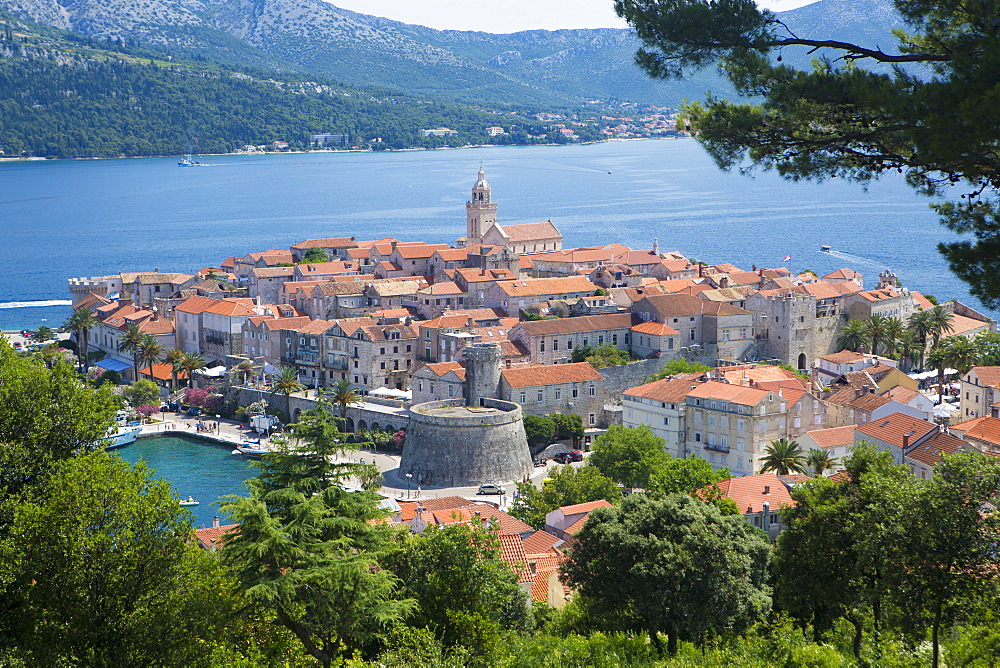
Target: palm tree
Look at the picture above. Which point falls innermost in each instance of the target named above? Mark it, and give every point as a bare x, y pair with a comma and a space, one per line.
894, 331
941, 324
911, 348
42, 334
875, 327
938, 360
245, 368
343, 395
132, 342
80, 323
192, 362
175, 358
819, 460
920, 324
150, 352
853, 336
286, 382
783, 457
963, 354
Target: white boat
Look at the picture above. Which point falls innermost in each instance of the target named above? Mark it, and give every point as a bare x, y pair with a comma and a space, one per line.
825, 249
188, 161
122, 433
189, 502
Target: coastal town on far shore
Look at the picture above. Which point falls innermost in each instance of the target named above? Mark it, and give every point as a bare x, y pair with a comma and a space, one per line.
456, 344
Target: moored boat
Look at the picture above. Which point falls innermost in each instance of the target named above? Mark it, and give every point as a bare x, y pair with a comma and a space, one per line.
122, 433
252, 453
189, 502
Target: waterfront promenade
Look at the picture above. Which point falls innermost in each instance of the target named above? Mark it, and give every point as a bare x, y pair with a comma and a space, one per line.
395, 485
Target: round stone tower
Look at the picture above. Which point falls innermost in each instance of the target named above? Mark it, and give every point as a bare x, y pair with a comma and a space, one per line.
449, 444
482, 372
471, 441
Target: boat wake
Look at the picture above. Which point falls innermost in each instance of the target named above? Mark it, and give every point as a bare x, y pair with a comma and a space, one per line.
44, 302
852, 258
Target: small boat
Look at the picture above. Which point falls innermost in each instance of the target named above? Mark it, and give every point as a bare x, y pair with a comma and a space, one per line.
189, 502
252, 453
122, 433
825, 249
188, 161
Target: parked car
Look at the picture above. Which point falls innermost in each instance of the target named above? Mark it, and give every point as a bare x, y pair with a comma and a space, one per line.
567, 457
540, 463
491, 489
193, 411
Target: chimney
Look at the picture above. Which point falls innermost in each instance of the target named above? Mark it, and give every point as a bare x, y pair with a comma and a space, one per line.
906, 442
753, 267
767, 490
156, 270
215, 522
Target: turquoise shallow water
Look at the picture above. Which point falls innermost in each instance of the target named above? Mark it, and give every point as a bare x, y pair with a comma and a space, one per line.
195, 468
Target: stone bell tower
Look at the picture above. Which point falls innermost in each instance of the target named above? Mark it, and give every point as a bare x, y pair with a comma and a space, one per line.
480, 212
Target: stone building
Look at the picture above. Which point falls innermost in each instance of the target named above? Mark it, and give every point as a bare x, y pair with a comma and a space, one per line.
795, 327
660, 405
470, 441
563, 388
370, 354
552, 341
335, 249
701, 322
512, 296
980, 392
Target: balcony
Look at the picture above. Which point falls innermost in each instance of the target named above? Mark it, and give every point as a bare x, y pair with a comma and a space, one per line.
716, 447
306, 358
338, 364
216, 339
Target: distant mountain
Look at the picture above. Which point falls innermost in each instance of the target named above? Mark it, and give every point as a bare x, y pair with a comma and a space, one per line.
527, 68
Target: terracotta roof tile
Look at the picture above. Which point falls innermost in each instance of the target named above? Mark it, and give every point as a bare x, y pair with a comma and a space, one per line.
586, 323
833, 437
737, 394
533, 287
675, 305
550, 374
983, 429
892, 428
988, 375
211, 537
337, 242
748, 492
586, 507
541, 542
930, 451
669, 390
655, 329
530, 231
844, 357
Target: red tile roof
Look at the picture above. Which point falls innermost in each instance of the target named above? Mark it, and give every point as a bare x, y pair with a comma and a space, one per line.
541, 542
550, 374
668, 390
584, 507
213, 537
833, 437
749, 492
930, 451
892, 428
737, 394
983, 429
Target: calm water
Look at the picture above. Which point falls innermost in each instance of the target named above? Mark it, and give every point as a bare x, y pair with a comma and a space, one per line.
81, 218
195, 468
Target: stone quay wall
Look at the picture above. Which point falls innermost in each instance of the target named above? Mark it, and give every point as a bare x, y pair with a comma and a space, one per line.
459, 451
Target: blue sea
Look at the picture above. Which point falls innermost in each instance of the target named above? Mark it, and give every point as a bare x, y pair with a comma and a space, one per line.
62, 219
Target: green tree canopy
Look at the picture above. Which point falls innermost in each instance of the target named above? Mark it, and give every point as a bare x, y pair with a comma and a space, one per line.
142, 391
539, 430
454, 573
568, 425
315, 254
567, 485
119, 582
629, 455
676, 367
672, 565
686, 476
842, 120
782, 457
306, 550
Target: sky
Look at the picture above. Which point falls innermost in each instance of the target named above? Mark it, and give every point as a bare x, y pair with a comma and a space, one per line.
503, 16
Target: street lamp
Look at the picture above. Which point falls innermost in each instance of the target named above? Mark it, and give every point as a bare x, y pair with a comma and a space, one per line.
409, 477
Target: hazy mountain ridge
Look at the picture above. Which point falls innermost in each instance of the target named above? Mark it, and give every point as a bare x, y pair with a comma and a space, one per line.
528, 68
